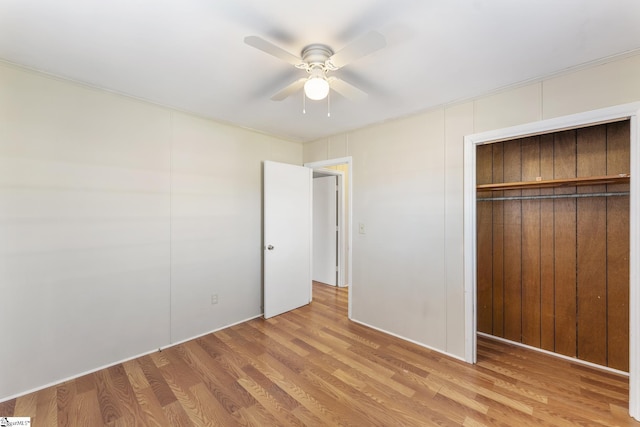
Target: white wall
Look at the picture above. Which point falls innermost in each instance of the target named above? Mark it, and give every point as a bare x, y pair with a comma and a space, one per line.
216, 227
408, 191
118, 220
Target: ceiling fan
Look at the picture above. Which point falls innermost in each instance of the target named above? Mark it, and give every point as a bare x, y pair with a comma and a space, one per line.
318, 60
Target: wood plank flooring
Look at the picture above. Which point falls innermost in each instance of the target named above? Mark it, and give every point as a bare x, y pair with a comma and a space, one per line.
313, 367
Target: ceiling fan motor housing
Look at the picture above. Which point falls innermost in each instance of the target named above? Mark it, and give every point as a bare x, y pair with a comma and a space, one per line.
316, 55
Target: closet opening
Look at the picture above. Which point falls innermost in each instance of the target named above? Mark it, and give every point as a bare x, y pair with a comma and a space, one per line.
553, 242
578, 123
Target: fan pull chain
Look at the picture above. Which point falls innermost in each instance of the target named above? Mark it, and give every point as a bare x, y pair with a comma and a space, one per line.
304, 103
329, 104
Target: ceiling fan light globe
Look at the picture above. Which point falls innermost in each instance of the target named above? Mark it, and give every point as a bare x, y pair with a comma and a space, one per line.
316, 88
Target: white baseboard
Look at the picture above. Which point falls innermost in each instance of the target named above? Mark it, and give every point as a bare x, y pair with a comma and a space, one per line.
551, 353
73, 377
410, 340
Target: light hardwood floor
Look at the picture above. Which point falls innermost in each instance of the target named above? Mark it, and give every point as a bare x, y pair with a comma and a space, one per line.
313, 367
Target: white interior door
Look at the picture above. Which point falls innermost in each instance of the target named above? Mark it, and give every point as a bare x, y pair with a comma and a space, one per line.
287, 237
325, 231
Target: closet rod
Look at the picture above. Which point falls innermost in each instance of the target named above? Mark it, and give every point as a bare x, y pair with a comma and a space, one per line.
551, 196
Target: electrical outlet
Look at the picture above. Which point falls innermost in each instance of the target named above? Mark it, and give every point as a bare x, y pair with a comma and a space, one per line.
214, 299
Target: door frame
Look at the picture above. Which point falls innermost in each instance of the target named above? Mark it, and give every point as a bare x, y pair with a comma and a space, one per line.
627, 111
340, 282
349, 240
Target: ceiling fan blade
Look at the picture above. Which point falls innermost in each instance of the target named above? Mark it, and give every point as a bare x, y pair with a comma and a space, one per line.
289, 90
360, 47
346, 89
268, 47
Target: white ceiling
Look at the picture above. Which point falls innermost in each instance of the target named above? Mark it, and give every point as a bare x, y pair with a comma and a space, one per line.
190, 54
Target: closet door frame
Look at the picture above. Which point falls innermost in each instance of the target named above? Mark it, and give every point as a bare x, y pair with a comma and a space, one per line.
621, 112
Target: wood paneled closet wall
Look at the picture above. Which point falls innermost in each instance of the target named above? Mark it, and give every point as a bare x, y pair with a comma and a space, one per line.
553, 272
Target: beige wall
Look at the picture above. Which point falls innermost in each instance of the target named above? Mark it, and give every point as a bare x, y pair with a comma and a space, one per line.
408, 191
118, 220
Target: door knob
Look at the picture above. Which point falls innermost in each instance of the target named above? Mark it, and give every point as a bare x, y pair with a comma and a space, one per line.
270, 247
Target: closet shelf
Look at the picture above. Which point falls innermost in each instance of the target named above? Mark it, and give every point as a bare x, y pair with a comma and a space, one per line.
552, 183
